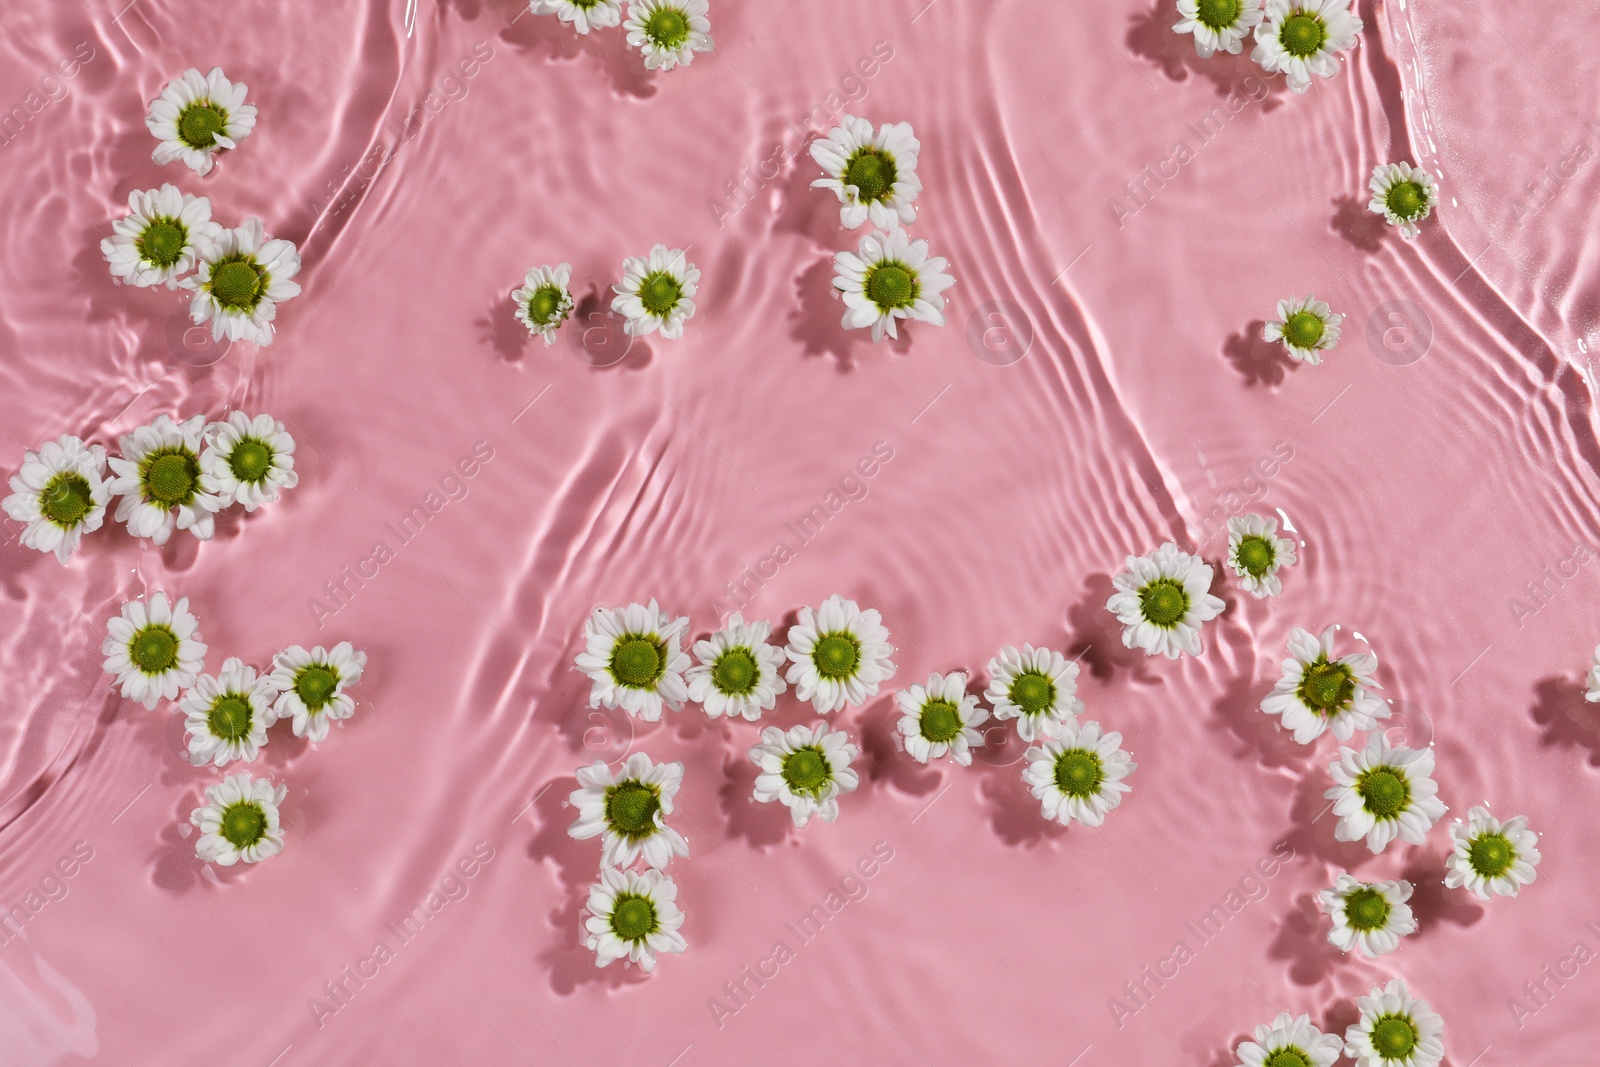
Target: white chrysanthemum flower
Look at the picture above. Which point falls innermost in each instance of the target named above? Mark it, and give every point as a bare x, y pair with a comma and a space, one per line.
159, 239
1488, 856
239, 821
874, 177
1404, 195
1037, 686
1306, 326
1162, 599
153, 651
227, 716
668, 32
1289, 1041
61, 493
1079, 774
738, 671
634, 915
249, 459
627, 810
656, 293
1217, 25
838, 654
1256, 554
311, 686
1395, 1030
807, 768
244, 275
581, 15
1373, 916
633, 661
1384, 793
939, 719
544, 301
196, 115
1593, 693
890, 277
1299, 38
1318, 693
159, 479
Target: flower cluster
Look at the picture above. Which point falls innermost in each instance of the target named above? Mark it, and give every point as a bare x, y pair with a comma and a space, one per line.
667, 32
1295, 38
656, 295
1394, 1029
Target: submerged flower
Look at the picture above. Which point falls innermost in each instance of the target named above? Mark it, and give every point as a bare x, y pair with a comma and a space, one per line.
874, 177
159, 239
1404, 195
1217, 25
656, 293
1488, 856
626, 811
890, 277
153, 651
1306, 326
807, 768
249, 459
1299, 38
939, 719
1162, 599
1318, 693
1080, 774
668, 32
1256, 554
544, 301
633, 915
159, 479
226, 716
311, 686
196, 115
239, 821
244, 275
582, 15
738, 671
61, 493
1037, 686
1373, 916
1289, 1041
1395, 1030
1383, 793
838, 654
632, 658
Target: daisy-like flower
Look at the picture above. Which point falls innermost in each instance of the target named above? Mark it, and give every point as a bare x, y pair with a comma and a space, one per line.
939, 719
807, 768
1491, 857
1306, 326
738, 671
838, 654
1371, 915
159, 479
1162, 599
1592, 695
153, 651
158, 240
632, 658
668, 32
61, 493
244, 275
875, 178
1217, 25
1318, 693
239, 821
1289, 1041
1079, 774
196, 115
1404, 195
544, 300
1037, 686
626, 811
890, 277
656, 293
1256, 554
582, 15
634, 915
1299, 38
311, 686
1384, 793
227, 716
1395, 1030
249, 459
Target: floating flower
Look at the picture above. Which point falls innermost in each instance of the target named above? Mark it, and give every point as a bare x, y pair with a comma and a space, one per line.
634, 915
890, 277
227, 716
838, 654
656, 293
807, 768
668, 32
1217, 25
1318, 693
1299, 38
249, 459
244, 275
239, 821
1491, 857
197, 115
939, 719
1256, 553
1384, 793
544, 301
1592, 695
1289, 1041
581, 15
1306, 326
153, 651
311, 686
1395, 1030
1037, 687
61, 493
1079, 774
1371, 915
159, 479
158, 240
632, 658
1404, 195
1162, 599
625, 810
874, 177
738, 671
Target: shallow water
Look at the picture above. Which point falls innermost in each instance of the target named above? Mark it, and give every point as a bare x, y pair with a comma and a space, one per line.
1435, 464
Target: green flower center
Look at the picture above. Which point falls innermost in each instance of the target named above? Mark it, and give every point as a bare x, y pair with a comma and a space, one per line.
889, 285
243, 824
1287, 1057
66, 499
315, 686
1255, 555
200, 123
941, 721
1327, 687
1302, 35
631, 809
660, 293
836, 656
1303, 329
1218, 14
1394, 1036
545, 305
1366, 909
735, 672
1491, 855
872, 172
638, 662
1406, 199
170, 477
154, 649
633, 918
230, 717
1164, 602
667, 27
237, 284
806, 770
1079, 773
161, 243
251, 460
1384, 791
1033, 692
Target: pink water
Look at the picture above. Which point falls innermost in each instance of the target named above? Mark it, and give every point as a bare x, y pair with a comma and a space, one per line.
1431, 473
